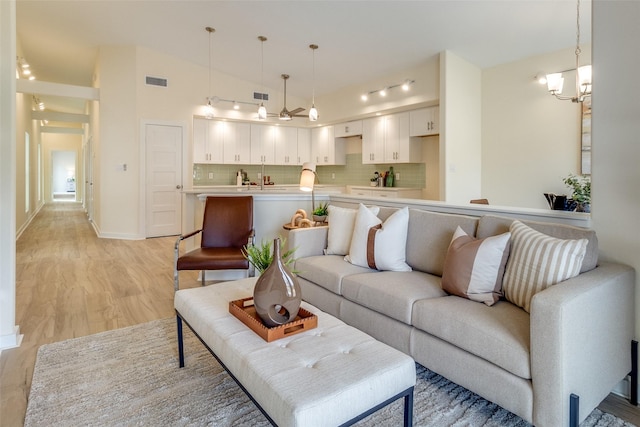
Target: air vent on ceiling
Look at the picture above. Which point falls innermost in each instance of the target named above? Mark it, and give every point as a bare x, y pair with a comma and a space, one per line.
261, 96
156, 81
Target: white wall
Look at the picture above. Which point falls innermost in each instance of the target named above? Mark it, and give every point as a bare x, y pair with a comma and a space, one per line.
616, 130
530, 140
345, 104
460, 129
9, 331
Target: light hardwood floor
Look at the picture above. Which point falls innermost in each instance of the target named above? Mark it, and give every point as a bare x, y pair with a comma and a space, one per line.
69, 283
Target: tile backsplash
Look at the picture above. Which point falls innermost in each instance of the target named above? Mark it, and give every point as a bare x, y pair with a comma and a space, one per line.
412, 175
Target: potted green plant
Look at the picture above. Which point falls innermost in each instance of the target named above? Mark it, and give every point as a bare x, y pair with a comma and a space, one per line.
581, 191
261, 256
320, 213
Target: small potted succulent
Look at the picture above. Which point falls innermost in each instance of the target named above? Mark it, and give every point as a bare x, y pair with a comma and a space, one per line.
581, 188
320, 213
261, 256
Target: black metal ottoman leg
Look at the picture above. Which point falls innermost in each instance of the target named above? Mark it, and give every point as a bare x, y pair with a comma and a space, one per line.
408, 409
180, 342
633, 393
574, 410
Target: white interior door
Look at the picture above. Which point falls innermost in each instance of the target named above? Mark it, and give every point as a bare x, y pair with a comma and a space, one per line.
163, 180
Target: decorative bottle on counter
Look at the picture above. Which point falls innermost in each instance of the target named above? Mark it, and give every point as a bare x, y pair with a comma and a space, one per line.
390, 178
239, 179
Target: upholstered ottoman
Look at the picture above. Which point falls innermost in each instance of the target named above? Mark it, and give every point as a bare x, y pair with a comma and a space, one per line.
328, 376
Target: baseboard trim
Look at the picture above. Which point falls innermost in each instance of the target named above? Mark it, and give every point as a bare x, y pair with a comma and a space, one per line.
12, 340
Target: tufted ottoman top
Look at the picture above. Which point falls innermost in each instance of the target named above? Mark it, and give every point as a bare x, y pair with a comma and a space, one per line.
323, 377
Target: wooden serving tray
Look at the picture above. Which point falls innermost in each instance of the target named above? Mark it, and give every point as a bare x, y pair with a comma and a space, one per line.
245, 311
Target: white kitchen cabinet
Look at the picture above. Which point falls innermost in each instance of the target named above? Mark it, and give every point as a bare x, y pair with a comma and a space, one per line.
263, 144
345, 130
304, 145
325, 148
373, 140
237, 142
386, 139
425, 121
286, 145
207, 141
387, 192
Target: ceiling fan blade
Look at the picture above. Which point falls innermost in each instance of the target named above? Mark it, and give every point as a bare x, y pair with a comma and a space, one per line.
296, 111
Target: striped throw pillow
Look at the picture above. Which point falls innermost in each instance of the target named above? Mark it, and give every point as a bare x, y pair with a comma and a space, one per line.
538, 261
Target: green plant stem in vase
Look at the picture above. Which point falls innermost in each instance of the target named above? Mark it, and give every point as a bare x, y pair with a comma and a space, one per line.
260, 256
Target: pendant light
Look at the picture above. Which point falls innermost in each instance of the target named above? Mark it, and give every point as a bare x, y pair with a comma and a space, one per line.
209, 107
262, 111
313, 112
555, 81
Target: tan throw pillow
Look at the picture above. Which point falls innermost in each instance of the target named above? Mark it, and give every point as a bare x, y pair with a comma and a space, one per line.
474, 268
378, 245
538, 261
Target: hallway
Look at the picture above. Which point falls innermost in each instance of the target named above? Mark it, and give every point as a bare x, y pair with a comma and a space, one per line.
70, 283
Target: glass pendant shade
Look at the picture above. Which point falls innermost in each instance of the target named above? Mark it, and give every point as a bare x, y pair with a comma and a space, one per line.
262, 112
313, 113
555, 82
208, 110
584, 78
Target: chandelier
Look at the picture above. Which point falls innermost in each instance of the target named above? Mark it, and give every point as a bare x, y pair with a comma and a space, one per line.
555, 81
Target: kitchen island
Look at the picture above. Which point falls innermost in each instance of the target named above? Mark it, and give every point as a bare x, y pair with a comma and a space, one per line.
273, 207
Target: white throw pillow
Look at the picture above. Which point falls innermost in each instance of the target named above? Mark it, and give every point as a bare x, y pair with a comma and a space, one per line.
538, 261
474, 268
341, 222
377, 245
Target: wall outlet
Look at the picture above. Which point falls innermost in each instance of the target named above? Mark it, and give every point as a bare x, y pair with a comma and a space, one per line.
333, 176
397, 176
210, 175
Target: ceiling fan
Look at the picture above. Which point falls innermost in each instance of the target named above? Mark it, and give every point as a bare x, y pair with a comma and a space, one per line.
284, 113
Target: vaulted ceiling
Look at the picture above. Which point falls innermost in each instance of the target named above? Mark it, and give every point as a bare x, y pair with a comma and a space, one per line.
358, 40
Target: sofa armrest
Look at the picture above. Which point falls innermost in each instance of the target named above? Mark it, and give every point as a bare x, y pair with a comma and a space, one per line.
307, 241
581, 332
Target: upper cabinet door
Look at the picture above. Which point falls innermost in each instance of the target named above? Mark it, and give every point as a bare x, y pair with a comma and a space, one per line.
304, 145
207, 141
237, 142
262, 144
347, 129
286, 145
425, 121
325, 148
399, 148
373, 140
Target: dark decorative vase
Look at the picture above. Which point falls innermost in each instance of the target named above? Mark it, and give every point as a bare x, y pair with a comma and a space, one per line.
276, 295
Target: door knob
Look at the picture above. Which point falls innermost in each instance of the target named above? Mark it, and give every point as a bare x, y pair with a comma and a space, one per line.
178, 186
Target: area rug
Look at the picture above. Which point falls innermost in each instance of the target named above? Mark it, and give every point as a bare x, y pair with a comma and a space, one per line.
130, 377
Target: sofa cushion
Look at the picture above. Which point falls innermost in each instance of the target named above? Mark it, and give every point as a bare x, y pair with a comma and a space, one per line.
341, 222
491, 225
391, 293
429, 237
378, 245
327, 271
474, 268
538, 261
498, 334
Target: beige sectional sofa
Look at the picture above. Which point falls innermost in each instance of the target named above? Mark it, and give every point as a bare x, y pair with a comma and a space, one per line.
575, 340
